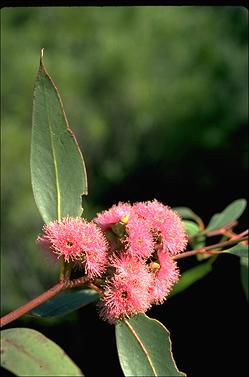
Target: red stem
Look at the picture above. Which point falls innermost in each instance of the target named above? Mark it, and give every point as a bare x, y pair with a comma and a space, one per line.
31, 304
226, 227
207, 248
57, 288
64, 284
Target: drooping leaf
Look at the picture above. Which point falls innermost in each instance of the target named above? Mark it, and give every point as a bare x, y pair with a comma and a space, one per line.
239, 250
244, 271
65, 302
190, 227
26, 352
196, 241
231, 213
58, 172
186, 213
144, 348
190, 277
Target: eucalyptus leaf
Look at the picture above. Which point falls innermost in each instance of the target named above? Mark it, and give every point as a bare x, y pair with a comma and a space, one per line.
191, 228
144, 348
231, 213
196, 241
65, 302
244, 271
190, 277
239, 250
58, 172
185, 212
26, 352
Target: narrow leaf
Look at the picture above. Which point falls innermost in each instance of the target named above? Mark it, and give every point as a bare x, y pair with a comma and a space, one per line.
239, 250
185, 213
196, 241
244, 271
26, 352
58, 172
144, 348
190, 227
190, 277
230, 213
65, 302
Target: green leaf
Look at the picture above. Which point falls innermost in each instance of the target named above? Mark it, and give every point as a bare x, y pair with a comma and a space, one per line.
27, 352
239, 250
65, 302
144, 348
185, 212
191, 276
191, 228
244, 271
230, 213
58, 172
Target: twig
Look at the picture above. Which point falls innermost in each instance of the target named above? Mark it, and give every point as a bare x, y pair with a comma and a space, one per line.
211, 247
57, 288
32, 304
221, 230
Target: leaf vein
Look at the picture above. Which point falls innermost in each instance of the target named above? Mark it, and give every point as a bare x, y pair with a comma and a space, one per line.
54, 159
141, 345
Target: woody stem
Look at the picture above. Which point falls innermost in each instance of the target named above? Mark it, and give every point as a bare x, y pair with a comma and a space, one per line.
208, 249
31, 304
57, 288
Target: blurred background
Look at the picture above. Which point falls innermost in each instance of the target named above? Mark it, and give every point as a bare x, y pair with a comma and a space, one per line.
158, 99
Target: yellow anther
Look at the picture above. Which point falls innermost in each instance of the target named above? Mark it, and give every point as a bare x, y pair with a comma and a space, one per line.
124, 219
154, 266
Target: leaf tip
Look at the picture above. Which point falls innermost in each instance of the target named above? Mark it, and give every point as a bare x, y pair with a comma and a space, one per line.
41, 56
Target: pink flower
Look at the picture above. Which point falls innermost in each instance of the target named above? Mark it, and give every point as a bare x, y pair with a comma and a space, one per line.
64, 236
165, 276
77, 240
115, 214
127, 266
94, 248
123, 298
165, 223
127, 292
139, 239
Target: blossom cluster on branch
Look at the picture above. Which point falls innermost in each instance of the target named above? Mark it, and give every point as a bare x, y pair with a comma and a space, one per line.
127, 251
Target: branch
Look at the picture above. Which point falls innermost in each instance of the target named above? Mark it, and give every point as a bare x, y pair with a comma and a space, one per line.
211, 247
57, 288
221, 230
32, 304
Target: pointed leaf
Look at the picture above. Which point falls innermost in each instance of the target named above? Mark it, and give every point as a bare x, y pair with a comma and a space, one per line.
196, 241
144, 348
244, 271
230, 213
190, 277
65, 302
185, 213
26, 352
190, 227
58, 172
239, 250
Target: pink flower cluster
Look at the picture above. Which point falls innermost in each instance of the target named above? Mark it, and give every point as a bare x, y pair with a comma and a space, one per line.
76, 239
143, 270
135, 267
